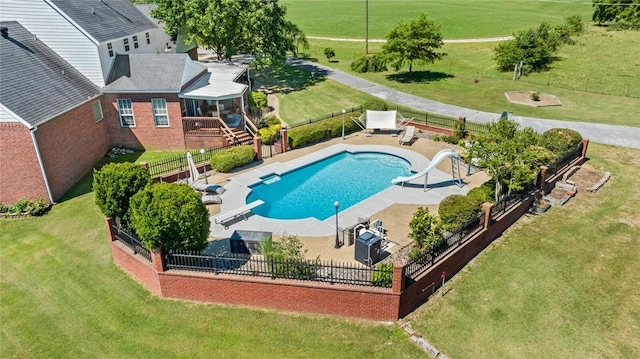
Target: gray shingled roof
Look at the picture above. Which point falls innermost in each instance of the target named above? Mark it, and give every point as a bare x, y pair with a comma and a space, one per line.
146, 73
109, 20
37, 83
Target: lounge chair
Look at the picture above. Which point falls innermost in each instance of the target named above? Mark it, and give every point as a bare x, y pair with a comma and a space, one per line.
211, 199
208, 188
409, 135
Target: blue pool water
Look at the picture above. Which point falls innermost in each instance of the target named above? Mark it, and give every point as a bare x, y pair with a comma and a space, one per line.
310, 191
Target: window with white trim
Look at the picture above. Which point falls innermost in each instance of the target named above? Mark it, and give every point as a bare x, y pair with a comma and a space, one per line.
135, 42
126, 44
110, 48
148, 38
97, 111
126, 113
160, 113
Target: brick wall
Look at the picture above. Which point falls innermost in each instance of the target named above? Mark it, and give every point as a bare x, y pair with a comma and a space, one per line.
20, 175
70, 145
145, 134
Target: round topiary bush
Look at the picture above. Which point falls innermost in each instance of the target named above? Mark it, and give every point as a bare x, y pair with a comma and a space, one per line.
456, 210
226, 160
560, 140
484, 193
114, 184
171, 216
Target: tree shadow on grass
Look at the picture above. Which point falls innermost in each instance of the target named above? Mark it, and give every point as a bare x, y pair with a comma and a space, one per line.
418, 77
289, 78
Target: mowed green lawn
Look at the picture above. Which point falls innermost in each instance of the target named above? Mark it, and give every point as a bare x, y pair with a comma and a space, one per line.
601, 62
565, 284
62, 297
459, 19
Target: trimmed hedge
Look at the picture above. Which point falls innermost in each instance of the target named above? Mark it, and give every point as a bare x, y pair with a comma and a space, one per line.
321, 130
456, 210
560, 140
376, 105
226, 160
484, 193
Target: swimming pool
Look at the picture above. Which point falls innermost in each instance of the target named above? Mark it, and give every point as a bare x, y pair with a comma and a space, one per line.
311, 190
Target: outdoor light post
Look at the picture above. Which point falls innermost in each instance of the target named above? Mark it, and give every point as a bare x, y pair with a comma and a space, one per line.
343, 112
204, 167
337, 245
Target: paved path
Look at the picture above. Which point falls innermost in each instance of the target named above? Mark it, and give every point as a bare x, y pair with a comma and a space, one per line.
624, 136
451, 41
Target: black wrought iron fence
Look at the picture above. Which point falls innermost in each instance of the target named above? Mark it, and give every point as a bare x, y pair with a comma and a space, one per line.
261, 267
179, 163
131, 242
327, 116
450, 241
564, 161
443, 121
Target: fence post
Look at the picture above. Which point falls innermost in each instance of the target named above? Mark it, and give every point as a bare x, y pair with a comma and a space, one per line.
109, 222
543, 179
157, 260
284, 140
585, 144
399, 278
257, 147
487, 208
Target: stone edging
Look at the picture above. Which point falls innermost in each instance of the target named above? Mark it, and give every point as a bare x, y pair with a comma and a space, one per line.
600, 183
423, 344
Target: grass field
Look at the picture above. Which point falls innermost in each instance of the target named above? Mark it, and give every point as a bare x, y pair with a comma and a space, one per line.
565, 284
62, 297
459, 19
613, 87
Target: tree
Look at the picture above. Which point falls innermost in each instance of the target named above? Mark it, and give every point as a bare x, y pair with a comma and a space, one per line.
230, 27
114, 184
425, 229
329, 52
534, 47
171, 216
414, 42
511, 156
623, 12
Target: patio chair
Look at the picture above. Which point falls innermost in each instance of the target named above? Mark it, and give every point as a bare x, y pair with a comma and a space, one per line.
409, 135
211, 199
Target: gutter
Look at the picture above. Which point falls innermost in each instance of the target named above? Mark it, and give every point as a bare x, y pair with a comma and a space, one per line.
44, 173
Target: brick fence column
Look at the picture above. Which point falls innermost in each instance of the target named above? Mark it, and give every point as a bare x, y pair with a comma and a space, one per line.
157, 260
399, 278
109, 223
542, 178
284, 140
487, 208
585, 144
257, 147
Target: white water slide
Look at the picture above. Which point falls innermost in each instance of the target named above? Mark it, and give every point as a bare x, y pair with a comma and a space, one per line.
439, 157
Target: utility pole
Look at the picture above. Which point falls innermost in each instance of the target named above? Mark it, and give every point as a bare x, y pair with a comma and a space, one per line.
366, 27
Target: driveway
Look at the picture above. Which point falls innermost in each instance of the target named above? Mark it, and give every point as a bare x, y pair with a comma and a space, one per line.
623, 136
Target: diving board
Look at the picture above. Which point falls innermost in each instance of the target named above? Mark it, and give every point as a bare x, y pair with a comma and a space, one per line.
244, 211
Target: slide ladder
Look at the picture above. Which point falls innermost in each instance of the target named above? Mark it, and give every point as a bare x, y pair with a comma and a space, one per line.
455, 170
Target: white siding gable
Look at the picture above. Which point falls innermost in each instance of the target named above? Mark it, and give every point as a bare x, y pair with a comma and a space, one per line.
59, 34
118, 48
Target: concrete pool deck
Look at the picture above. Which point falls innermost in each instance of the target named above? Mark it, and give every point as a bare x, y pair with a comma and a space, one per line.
440, 186
395, 216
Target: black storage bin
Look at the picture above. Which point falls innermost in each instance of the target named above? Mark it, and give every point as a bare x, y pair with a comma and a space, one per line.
247, 242
368, 248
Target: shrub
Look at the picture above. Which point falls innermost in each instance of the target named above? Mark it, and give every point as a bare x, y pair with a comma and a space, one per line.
287, 258
369, 63
171, 216
114, 184
535, 96
38, 207
21, 205
272, 120
560, 140
4, 208
329, 52
482, 194
456, 210
268, 135
318, 131
228, 159
425, 229
259, 99
383, 275
375, 105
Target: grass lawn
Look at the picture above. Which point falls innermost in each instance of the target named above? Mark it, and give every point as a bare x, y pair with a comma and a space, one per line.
303, 97
565, 284
489, 18
586, 65
62, 297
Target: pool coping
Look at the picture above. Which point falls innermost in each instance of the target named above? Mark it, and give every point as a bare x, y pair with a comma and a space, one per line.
440, 186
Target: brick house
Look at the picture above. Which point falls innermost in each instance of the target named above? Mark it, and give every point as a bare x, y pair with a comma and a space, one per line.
79, 77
